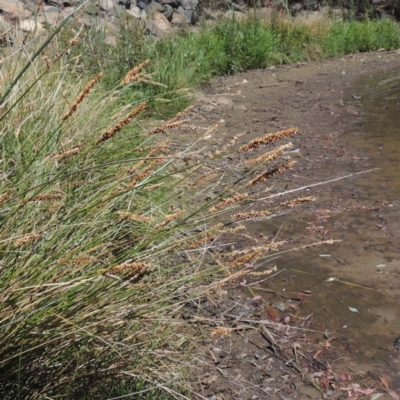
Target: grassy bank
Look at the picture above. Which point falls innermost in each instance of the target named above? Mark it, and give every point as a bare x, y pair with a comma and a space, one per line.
106, 226
189, 59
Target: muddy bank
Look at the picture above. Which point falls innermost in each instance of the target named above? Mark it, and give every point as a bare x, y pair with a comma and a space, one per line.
341, 290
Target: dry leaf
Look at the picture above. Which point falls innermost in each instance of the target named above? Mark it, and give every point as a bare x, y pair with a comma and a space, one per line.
384, 382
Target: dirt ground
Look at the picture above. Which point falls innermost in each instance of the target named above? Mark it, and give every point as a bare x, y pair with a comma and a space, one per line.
282, 341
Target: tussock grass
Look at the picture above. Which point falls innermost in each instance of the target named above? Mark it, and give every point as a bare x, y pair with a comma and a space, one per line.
105, 233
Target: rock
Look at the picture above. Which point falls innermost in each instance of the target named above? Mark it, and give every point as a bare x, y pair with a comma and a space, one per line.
51, 9
168, 12
68, 10
60, 3
11, 7
135, 11
106, 5
50, 18
111, 33
297, 7
153, 7
311, 5
24, 14
191, 16
143, 3
158, 25
5, 30
236, 15
91, 8
178, 19
189, 4
29, 25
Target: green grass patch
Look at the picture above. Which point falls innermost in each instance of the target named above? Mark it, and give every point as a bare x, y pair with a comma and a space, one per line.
189, 59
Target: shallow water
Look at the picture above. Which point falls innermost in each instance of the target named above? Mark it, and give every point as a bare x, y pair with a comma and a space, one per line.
362, 307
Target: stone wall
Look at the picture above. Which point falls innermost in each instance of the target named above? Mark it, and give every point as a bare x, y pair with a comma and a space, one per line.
360, 8
158, 17
161, 17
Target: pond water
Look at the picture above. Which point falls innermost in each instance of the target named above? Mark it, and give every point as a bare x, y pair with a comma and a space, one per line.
355, 284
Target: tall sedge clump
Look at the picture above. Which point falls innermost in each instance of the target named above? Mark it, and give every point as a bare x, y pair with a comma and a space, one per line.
105, 234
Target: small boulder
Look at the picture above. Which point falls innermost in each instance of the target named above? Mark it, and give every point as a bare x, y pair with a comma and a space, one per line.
168, 12
29, 25
135, 11
60, 3
106, 5
191, 16
5, 29
158, 25
50, 18
143, 4
189, 4
91, 8
11, 7
235, 15
153, 7
178, 19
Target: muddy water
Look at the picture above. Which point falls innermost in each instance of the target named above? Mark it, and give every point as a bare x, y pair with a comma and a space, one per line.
355, 284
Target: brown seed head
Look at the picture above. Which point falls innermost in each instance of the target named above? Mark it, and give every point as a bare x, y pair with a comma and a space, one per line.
109, 133
47, 197
81, 96
132, 75
169, 218
136, 268
5, 197
222, 331
27, 239
67, 153
228, 202
75, 40
270, 155
265, 175
133, 217
299, 200
267, 139
250, 215
167, 126
143, 174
